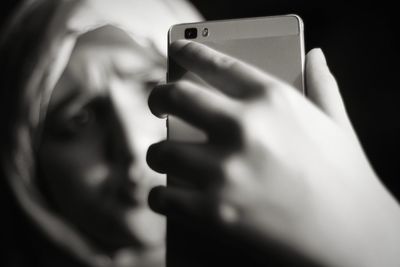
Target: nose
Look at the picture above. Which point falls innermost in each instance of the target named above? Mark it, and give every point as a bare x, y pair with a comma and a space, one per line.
136, 129
121, 157
127, 141
118, 150
126, 150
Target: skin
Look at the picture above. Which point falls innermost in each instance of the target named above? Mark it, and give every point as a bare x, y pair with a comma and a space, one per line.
276, 166
92, 156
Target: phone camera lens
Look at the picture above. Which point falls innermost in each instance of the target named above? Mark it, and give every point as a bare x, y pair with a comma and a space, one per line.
205, 32
190, 33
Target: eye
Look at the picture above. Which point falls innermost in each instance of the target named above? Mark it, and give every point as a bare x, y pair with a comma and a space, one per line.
73, 125
80, 120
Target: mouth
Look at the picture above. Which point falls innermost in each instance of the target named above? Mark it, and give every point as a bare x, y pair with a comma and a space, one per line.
129, 198
134, 227
136, 193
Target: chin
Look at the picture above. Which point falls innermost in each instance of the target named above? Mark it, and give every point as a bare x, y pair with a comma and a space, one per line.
147, 228
136, 228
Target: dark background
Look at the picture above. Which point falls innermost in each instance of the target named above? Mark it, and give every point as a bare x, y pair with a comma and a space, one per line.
360, 43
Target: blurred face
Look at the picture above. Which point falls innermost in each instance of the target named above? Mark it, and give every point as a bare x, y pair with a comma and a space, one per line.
92, 159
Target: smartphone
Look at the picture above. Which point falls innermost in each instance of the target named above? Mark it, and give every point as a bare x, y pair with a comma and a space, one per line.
273, 44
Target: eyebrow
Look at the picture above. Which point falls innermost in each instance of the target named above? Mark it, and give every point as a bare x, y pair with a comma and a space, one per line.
76, 94
148, 74
63, 103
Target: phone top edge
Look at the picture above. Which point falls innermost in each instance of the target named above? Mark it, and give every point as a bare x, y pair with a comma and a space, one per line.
236, 19
251, 27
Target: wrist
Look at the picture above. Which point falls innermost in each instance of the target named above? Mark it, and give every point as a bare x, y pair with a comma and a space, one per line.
361, 228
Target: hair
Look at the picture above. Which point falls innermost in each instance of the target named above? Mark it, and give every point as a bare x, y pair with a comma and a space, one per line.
34, 51
20, 49
23, 52
34, 47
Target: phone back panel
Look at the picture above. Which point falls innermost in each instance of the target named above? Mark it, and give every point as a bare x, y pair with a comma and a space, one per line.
273, 44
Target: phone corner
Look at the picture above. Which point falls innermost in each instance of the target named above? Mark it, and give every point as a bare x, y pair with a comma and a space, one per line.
169, 33
299, 21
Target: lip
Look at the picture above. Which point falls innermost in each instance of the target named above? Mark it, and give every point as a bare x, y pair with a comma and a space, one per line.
128, 198
134, 196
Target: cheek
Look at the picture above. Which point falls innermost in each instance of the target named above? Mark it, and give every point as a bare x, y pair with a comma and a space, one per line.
74, 174
141, 127
130, 101
143, 130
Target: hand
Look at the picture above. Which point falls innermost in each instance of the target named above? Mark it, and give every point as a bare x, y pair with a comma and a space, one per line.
276, 165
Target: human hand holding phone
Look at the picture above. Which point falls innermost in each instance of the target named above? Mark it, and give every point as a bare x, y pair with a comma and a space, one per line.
313, 191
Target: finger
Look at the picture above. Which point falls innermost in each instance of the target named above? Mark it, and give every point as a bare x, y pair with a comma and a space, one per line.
177, 204
232, 76
322, 88
186, 163
200, 107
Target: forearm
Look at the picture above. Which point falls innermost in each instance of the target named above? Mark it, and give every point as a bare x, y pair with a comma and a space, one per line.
362, 230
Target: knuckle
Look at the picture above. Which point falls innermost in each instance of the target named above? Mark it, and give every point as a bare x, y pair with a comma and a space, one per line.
233, 130
219, 171
223, 62
228, 132
259, 89
177, 91
233, 125
227, 213
193, 50
224, 170
230, 166
275, 94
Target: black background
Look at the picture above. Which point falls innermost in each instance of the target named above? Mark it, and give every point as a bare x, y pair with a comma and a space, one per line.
360, 43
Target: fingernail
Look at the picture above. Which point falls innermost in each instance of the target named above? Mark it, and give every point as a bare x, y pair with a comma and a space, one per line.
321, 55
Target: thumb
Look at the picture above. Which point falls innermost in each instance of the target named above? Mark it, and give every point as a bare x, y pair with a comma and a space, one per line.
322, 88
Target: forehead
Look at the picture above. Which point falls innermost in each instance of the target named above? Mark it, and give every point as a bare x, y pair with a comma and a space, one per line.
100, 57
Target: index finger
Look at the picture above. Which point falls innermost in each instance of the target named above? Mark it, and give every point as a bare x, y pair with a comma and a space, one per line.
227, 74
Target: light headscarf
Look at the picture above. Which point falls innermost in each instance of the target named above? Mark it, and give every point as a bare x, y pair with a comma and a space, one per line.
32, 75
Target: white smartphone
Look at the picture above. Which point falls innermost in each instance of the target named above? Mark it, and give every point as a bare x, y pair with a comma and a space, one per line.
273, 44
